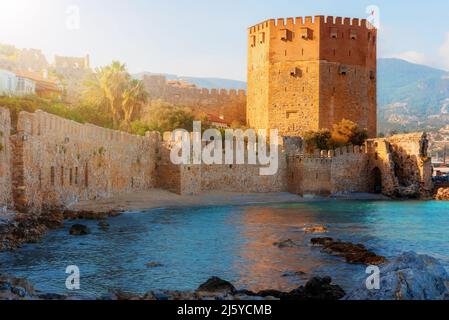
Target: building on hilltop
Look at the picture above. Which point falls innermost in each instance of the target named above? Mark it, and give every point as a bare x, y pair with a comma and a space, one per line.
310, 73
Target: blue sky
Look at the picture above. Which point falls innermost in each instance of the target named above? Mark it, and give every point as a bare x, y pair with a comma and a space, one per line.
206, 37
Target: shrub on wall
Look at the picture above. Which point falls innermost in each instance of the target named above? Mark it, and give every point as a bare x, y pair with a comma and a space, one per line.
342, 134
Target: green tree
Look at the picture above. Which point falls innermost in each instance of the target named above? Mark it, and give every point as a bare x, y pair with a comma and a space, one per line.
317, 140
112, 87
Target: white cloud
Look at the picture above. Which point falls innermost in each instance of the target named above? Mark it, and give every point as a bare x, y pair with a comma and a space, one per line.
411, 56
444, 53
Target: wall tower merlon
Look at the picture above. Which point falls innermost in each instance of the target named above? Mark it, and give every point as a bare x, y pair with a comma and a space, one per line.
280, 22
347, 21
356, 22
338, 21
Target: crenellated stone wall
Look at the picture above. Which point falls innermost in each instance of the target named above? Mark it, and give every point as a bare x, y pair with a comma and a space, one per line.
58, 162
229, 105
5, 160
397, 167
196, 179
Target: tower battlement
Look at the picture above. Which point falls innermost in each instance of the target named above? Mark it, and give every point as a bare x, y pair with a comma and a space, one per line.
310, 21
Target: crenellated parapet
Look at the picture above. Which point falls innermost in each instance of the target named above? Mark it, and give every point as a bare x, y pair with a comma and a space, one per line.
229, 104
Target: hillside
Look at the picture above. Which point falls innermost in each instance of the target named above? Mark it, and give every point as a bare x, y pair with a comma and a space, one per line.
411, 96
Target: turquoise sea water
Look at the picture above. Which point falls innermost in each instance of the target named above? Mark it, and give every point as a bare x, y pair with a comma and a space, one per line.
234, 243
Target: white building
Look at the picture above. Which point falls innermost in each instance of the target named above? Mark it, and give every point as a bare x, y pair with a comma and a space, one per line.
25, 86
11, 84
8, 82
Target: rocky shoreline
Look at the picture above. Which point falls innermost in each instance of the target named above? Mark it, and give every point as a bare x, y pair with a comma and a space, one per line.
442, 194
19, 228
408, 277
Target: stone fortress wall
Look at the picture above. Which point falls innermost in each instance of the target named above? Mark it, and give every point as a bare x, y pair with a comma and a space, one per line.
5, 160
50, 162
356, 168
58, 162
230, 105
197, 179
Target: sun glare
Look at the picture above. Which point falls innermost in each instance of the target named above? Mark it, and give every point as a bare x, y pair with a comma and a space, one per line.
15, 11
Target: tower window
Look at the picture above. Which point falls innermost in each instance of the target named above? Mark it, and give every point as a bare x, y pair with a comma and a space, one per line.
253, 41
296, 72
286, 35
262, 37
306, 33
343, 70
334, 33
353, 34
372, 75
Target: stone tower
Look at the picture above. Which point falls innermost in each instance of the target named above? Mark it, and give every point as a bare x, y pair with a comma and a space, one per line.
310, 73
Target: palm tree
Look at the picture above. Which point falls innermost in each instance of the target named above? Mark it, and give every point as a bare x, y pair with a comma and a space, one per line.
107, 87
134, 98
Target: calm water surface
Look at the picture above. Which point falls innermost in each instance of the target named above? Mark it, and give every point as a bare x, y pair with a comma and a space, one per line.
234, 243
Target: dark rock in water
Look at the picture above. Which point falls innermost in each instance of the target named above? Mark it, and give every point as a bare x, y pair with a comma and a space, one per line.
289, 243
79, 230
322, 289
51, 296
315, 229
293, 274
15, 289
408, 277
215, 284
154, 265
353, 253
103, 225
315, 289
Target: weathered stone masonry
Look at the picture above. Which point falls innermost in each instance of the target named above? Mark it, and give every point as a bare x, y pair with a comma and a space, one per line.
399, 163
58, 162
5, 160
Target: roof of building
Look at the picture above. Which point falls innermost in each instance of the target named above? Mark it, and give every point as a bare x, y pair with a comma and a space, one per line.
41, 82
216, 119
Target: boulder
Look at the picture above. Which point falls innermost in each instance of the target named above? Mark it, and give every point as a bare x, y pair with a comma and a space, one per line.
216, 285
315, 229
289, 243
103, 225
409, 277
443, 194
315, 289
353, 253
79, 230
154, 264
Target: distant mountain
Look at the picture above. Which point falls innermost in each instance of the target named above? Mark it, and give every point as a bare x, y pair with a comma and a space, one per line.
209, 83
411, 96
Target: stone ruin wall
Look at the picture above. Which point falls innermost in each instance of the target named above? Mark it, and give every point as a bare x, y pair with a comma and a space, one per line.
341, 170
401, 160
59, 162
5, 161
231, 105
413, 166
